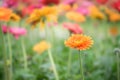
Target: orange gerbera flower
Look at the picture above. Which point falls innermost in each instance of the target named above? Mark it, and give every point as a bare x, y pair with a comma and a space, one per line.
114, 17
5, 14
79, 41
65, 7
114, 31
108, 11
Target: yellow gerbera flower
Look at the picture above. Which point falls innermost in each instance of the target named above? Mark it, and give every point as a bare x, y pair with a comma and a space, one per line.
34, 18
47, 10
35, 15
15, 17
79, 41
95, 13
77, 17
43, 15
41, 47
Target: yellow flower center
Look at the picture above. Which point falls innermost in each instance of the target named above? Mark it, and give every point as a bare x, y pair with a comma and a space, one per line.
79, 42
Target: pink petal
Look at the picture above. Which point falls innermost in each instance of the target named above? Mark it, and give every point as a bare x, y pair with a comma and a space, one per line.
74, 28
16, 37
18, 31
5, 29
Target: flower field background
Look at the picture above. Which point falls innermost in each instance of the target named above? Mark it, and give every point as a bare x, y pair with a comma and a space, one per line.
43, 39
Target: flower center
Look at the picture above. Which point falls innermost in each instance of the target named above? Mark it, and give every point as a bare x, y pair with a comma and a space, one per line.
79, 41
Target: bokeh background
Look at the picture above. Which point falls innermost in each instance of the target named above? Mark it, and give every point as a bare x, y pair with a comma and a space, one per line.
37, 29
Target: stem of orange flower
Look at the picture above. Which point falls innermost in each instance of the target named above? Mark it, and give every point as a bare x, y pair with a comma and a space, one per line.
24, 54
10, 56
4, 55
69, 62
53, 64
118, 65
81, 65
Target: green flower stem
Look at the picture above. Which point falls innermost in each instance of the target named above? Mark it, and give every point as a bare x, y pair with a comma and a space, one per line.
53, 36
51, 57
81, 66
10, 57
4, 54
118, 66
69, 61
53, 64
24, 50
46, 33
24, 54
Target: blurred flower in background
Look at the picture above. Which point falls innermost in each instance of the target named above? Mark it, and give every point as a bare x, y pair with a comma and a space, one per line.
102, 1
95, 13
84, 7
15, 17
43, 15
75, 16
113, 31
27, 10
116, 5
4, 29
5, 14
73, 28
10, 3
49, 2
17, 31
41, 47
114, 17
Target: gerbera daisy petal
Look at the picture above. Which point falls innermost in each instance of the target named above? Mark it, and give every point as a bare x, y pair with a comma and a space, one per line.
79, 41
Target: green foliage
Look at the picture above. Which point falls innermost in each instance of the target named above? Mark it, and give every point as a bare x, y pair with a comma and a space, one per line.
99, 61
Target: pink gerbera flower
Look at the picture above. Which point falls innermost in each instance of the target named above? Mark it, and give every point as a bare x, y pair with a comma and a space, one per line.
72, 27
17, 32
86, 4
69, 1
83, 10
10, 3
116, 5
84, 7
5, 29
